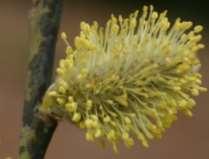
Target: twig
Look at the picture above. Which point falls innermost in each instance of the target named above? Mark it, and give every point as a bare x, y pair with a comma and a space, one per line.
37, 133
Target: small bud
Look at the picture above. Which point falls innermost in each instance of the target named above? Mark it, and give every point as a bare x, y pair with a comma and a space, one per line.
198, 28
106, 119
89, 123
70, 99
154, 15
64, 36
98, 133
89, 136
71, 107
111, 136
62, 90
89, 104
76, 117
52, 93
127, 120
60, 101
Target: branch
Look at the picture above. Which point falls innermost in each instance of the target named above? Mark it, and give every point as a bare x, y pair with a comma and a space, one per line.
37, 133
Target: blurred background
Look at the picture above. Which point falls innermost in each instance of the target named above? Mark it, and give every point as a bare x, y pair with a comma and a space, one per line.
187, 139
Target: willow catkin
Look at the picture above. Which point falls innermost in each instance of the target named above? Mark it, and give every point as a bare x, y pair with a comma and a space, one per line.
128, 80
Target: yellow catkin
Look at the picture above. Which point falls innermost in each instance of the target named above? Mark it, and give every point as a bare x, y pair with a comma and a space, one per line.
129, 79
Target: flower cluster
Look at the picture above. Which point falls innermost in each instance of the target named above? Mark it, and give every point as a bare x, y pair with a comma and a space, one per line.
128, 80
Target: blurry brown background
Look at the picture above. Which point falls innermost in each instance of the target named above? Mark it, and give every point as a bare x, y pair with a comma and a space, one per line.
187, 139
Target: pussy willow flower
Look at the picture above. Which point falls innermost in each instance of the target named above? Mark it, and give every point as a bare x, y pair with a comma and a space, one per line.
128, 80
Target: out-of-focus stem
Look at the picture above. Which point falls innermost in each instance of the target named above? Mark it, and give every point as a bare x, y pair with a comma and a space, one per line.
44, 24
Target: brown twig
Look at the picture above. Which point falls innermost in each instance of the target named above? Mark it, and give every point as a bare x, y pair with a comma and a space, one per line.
37, 133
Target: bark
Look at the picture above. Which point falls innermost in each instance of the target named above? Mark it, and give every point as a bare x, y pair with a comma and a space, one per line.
44, 24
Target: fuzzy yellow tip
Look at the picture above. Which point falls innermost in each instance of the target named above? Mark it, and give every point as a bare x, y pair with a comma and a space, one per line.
64, 36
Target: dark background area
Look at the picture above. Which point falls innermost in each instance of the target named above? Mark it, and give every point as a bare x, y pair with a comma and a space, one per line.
187, 139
